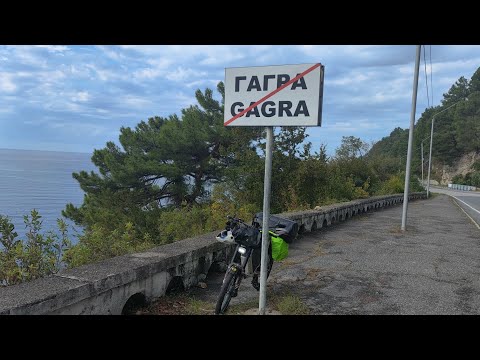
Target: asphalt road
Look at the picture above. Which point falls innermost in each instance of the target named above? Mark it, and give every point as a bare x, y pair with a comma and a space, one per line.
469, 201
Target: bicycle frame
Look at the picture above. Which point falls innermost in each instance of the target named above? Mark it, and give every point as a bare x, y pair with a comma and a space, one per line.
243, 260
236, 268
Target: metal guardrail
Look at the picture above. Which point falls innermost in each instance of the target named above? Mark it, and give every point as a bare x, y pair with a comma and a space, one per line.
462, 187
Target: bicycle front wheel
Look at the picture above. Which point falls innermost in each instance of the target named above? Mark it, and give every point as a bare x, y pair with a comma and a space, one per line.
226, 293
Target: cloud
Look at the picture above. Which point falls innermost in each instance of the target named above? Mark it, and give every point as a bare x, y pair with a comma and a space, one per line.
135, 102
148, 73
104, 74
111, 53
53, 48
81, 96
6, 83
349, 79
98, 89
7, 109
181, 74
211, 83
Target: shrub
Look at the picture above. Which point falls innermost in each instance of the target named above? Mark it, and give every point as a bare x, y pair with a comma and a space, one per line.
36, 256
99, 244
393, 185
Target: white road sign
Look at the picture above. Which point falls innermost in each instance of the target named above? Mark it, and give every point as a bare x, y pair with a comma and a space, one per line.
285, 95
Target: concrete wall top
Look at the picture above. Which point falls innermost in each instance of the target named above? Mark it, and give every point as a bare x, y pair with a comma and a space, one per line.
91, 279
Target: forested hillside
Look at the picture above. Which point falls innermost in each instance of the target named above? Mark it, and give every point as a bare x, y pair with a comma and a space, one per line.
456, 133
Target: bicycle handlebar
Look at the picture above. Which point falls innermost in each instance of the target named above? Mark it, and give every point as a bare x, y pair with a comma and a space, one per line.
238, 220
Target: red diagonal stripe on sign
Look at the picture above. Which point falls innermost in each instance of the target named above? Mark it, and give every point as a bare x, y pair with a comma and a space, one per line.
272, 93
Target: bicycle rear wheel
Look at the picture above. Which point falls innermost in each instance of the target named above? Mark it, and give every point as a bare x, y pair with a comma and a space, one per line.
226, 293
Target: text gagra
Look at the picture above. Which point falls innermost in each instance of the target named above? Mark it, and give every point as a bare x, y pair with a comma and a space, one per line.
269, 108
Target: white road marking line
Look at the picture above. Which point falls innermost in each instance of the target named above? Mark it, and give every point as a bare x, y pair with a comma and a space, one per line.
466, 204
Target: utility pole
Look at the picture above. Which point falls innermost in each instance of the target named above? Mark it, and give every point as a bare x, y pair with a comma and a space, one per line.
430, 158
410, 138
422, 163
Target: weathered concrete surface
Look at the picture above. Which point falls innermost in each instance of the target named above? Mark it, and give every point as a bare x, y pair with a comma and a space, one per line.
368, 266
39, 294
105, 287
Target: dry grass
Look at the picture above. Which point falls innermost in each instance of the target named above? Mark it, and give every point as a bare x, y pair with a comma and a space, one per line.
396, 230
198, 307
178, 304
284, 304
312, 273
291, 305
239, 309
319, 251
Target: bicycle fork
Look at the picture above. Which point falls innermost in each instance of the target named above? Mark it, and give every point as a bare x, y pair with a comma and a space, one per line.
245, 255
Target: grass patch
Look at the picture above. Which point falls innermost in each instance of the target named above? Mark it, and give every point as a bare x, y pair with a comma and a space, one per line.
285, 304
178, 304
397, 229
291, 305
198, 307
239, 309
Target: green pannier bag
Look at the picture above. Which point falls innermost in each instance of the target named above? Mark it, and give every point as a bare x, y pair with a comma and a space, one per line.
279, 247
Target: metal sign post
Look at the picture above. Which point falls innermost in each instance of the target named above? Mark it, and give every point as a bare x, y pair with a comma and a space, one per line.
266, 217
287, 95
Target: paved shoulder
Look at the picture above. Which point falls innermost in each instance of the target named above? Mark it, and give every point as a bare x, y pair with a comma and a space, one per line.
368, 266
469, 201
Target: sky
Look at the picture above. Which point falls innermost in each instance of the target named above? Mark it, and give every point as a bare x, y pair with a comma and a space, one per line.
76, 97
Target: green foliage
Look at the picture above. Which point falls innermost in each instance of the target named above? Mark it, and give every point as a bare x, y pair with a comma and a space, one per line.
163, 160
351, 147
466, 122
457, 91
99, 244
476, 165
183, 223
38, 255
458, 179
471, 179
475, 179
415, 184
223, 204
392, 146
308, 183
189, 221
396, 184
